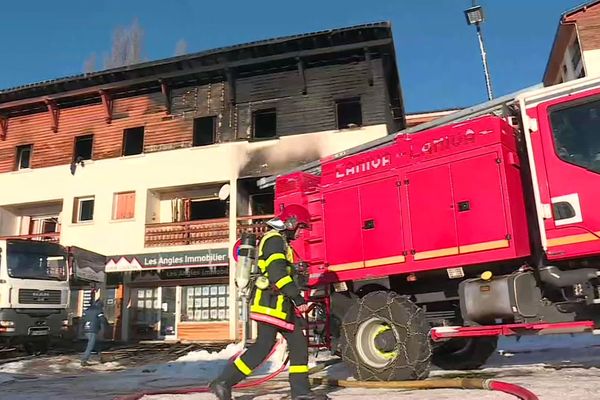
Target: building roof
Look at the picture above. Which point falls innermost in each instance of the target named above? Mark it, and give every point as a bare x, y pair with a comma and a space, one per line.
563, 31
282, 52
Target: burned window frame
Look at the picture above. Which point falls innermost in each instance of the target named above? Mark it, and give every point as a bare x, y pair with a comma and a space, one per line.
348, 101
195, 127
260, 112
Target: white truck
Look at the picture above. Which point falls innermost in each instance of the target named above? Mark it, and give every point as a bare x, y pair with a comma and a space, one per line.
35, 281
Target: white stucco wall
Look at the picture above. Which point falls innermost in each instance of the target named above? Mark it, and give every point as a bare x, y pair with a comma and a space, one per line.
146, 173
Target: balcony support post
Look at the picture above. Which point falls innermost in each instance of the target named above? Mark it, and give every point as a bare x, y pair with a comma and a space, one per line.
233, 295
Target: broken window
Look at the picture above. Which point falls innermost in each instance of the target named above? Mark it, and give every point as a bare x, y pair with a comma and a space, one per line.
83, 209
262, 203
264, 124
204, 131
124, 205
24, 156
133, 141
83, 148
349, 113
208, 209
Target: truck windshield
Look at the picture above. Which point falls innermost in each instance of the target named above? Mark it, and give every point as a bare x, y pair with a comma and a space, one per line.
576, 130
36, 260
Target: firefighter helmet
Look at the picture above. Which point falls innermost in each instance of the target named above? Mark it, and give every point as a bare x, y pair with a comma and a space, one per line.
290, 218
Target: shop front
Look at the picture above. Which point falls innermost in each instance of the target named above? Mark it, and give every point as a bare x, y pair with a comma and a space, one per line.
175, 295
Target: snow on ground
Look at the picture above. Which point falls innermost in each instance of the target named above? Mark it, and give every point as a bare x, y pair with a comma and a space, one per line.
554, 367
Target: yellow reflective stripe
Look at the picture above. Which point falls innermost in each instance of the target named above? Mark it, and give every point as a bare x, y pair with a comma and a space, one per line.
298, 369
257, 297
283, 281
279, 306
242, 366
264, 264
268, 311
264, 240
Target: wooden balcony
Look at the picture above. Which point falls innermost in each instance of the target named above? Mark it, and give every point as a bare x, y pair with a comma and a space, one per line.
53, 237
201, 232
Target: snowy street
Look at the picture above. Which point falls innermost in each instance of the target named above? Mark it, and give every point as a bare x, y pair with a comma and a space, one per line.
553, 367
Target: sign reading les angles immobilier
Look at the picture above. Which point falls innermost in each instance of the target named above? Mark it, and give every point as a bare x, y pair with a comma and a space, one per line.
165, 260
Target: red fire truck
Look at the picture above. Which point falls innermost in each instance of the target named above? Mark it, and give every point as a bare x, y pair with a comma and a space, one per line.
428, 245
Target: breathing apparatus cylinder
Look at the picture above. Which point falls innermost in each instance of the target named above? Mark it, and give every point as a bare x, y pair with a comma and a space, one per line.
246, 269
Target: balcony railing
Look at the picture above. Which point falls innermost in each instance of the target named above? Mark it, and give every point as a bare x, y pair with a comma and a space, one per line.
53, 237
201, 232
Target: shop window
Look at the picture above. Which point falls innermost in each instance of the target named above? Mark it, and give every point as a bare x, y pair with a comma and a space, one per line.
204, 131
24, 157
83, 148
146, 309
205, 303
349, 113
264, 124
207, 209
124, 205
83, 209
133, 141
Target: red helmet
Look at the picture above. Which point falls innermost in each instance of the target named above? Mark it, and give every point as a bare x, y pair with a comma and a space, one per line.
291, 217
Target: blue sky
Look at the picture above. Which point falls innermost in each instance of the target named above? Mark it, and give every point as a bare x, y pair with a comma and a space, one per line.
438, 54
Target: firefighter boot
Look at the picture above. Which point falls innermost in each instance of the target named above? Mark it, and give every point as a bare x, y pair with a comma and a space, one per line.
300, 386
311, 396
222, 385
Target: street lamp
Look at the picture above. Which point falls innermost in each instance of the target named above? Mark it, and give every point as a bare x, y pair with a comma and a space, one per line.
475, 17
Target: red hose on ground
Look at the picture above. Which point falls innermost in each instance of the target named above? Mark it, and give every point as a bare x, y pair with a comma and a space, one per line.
205, 389
515, 390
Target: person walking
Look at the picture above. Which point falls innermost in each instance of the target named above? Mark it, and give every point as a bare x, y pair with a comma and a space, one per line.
93, 322
277, 306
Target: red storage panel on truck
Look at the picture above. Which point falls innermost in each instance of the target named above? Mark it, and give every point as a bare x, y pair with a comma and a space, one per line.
445, 198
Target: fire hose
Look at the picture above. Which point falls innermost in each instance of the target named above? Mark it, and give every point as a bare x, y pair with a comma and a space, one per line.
517, 391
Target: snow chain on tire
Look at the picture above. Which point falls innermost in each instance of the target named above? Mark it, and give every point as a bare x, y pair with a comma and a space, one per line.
412, 350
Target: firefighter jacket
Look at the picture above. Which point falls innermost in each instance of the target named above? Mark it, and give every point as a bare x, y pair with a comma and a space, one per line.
273, 304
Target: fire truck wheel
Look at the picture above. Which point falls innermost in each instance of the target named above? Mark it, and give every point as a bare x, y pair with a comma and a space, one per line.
464, 354
384, 337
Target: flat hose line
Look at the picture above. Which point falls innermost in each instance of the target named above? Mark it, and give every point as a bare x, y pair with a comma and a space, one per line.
456, 383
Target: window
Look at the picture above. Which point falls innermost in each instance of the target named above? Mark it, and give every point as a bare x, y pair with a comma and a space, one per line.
23, 157
349, 113
145, 307
208, 209
40, 225
575, 127
264, 123
133, 141
83, 148
124, 205
205, 303
262, 203
575, 51
83, 209
204, 131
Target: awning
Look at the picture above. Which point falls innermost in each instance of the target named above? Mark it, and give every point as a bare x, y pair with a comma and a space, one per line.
168, 260
87, 265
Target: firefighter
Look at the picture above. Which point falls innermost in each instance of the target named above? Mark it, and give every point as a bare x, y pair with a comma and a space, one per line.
274, 303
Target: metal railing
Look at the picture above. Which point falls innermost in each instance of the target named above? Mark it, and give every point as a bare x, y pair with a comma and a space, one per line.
201, 232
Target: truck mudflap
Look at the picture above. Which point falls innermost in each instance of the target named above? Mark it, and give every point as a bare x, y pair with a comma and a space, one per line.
542, 328
31, 324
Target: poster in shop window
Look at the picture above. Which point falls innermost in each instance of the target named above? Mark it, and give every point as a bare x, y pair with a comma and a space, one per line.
205, 315
197, 302
221, 314
213, 302
140, 293
140, 304
213, 290
213, 314
198, 315
205, 290
221, 289
221, 301
190, 313
205, 302
199, 291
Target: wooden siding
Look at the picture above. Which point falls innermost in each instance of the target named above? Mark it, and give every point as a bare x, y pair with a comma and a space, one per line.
207, 331
296, 113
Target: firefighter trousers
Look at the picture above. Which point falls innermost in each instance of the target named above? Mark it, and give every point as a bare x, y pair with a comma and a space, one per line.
256, 353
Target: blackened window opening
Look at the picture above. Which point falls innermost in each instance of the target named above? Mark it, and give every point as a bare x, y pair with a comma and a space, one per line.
349, 113
265, 123
133, 141
83, 148
204, 131
24, 157
208, 209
